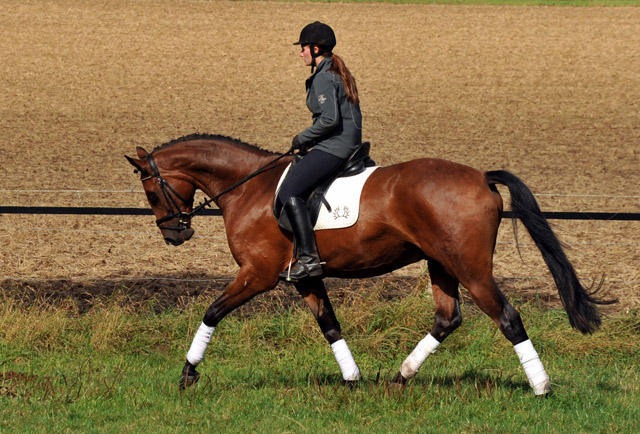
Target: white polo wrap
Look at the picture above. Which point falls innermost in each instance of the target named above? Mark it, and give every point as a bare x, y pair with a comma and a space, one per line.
200, 344
350, 371
538, 378
414, 361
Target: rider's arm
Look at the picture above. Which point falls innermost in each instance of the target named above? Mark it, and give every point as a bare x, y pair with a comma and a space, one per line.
326, 95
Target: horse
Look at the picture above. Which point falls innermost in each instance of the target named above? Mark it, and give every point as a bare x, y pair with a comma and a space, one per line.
425, 209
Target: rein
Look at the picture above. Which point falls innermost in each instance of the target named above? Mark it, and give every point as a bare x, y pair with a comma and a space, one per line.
170, 194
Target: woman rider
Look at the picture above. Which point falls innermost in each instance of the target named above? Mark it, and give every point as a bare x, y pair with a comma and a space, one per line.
332, 98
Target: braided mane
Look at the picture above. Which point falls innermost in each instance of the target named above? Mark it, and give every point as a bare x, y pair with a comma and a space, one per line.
198, 136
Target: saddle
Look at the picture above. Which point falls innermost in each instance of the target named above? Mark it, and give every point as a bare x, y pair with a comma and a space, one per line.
355, 164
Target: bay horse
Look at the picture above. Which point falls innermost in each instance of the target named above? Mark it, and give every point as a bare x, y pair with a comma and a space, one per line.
427, 209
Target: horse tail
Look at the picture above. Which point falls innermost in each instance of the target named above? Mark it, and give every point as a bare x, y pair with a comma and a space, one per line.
579, 304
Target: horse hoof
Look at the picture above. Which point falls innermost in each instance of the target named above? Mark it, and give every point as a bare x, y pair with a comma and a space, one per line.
546, 394
351, 384
542, 389
399, 380
189, 376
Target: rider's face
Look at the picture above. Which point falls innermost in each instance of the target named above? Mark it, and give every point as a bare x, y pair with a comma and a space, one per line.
305, 53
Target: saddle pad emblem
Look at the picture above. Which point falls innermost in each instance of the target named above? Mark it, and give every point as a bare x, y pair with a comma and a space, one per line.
343, 197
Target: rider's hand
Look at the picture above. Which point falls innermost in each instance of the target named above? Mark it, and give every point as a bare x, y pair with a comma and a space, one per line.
295, 143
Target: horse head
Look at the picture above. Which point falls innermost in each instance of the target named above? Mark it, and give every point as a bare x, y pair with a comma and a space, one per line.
170, 196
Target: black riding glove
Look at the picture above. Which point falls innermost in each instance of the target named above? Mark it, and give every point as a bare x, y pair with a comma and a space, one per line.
295, 143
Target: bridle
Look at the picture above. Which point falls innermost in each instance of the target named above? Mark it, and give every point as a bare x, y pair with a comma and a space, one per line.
171, 196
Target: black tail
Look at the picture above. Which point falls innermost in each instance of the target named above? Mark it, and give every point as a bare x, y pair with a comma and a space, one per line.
579, 304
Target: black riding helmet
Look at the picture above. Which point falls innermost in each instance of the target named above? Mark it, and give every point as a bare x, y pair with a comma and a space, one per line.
320, 35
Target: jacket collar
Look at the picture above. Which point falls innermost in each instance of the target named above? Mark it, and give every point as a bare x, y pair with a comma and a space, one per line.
324, 66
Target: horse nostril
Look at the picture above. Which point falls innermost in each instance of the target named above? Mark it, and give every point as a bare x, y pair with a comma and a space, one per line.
172, 241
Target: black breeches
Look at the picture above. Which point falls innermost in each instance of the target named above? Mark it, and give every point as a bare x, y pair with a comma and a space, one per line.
313, 169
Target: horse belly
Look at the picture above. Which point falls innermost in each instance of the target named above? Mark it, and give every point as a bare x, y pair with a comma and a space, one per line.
368, 259
371, 247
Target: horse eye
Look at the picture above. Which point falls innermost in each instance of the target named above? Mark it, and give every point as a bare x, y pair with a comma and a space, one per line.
153, 198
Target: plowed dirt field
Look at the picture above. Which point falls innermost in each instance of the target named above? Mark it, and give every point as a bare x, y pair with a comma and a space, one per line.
551, 94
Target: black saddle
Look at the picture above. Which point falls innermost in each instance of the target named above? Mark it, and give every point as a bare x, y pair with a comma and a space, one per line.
357, 162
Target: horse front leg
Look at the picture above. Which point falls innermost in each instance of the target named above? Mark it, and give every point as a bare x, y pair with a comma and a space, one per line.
245, 286
315, 295
447, 319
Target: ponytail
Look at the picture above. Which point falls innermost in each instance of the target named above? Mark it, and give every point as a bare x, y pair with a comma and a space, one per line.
338, 67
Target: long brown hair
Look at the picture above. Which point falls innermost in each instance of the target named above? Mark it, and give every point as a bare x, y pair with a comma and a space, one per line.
349, 81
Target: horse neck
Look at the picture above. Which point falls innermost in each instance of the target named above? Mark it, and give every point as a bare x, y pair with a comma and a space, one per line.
213, 166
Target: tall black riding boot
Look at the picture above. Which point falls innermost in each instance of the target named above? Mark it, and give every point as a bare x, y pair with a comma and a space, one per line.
307, 259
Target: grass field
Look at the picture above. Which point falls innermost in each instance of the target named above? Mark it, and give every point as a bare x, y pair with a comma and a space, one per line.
96, 313
114, 370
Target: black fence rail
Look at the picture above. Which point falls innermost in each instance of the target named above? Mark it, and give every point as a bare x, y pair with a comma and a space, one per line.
56, 210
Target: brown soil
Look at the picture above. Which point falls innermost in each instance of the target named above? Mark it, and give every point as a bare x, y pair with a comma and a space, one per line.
551, 94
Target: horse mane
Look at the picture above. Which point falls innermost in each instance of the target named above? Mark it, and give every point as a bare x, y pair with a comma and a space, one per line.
198, 136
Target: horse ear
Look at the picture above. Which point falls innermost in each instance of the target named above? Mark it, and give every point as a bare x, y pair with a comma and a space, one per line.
134, 162
141, 152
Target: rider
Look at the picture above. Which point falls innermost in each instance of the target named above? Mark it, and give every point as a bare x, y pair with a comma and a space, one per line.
332, 98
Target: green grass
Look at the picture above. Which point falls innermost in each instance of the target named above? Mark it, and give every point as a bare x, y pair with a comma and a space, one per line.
115, 370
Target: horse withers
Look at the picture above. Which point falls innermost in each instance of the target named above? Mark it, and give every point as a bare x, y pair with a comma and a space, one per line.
427, 209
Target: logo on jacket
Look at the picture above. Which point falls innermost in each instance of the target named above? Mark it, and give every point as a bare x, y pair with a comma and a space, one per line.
322, 99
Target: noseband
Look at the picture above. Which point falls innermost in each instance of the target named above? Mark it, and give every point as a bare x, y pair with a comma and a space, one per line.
170, 195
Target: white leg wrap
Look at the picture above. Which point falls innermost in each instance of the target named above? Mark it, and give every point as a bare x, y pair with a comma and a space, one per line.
414, 361
538, 378
350, 371
200, 344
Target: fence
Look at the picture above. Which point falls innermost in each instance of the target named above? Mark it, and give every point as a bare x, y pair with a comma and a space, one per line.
131, 211
54, 210
127, 211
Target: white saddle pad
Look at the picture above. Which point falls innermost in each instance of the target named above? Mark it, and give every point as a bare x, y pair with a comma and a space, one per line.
343, 197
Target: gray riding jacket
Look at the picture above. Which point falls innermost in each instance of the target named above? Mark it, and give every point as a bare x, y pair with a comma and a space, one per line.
337, 124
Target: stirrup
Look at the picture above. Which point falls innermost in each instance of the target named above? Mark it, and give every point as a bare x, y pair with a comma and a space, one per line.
307, 270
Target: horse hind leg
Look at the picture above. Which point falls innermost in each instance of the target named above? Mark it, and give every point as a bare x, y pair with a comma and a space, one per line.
447, 319
492, 301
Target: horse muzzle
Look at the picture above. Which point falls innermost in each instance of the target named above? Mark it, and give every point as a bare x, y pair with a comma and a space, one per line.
175, 237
